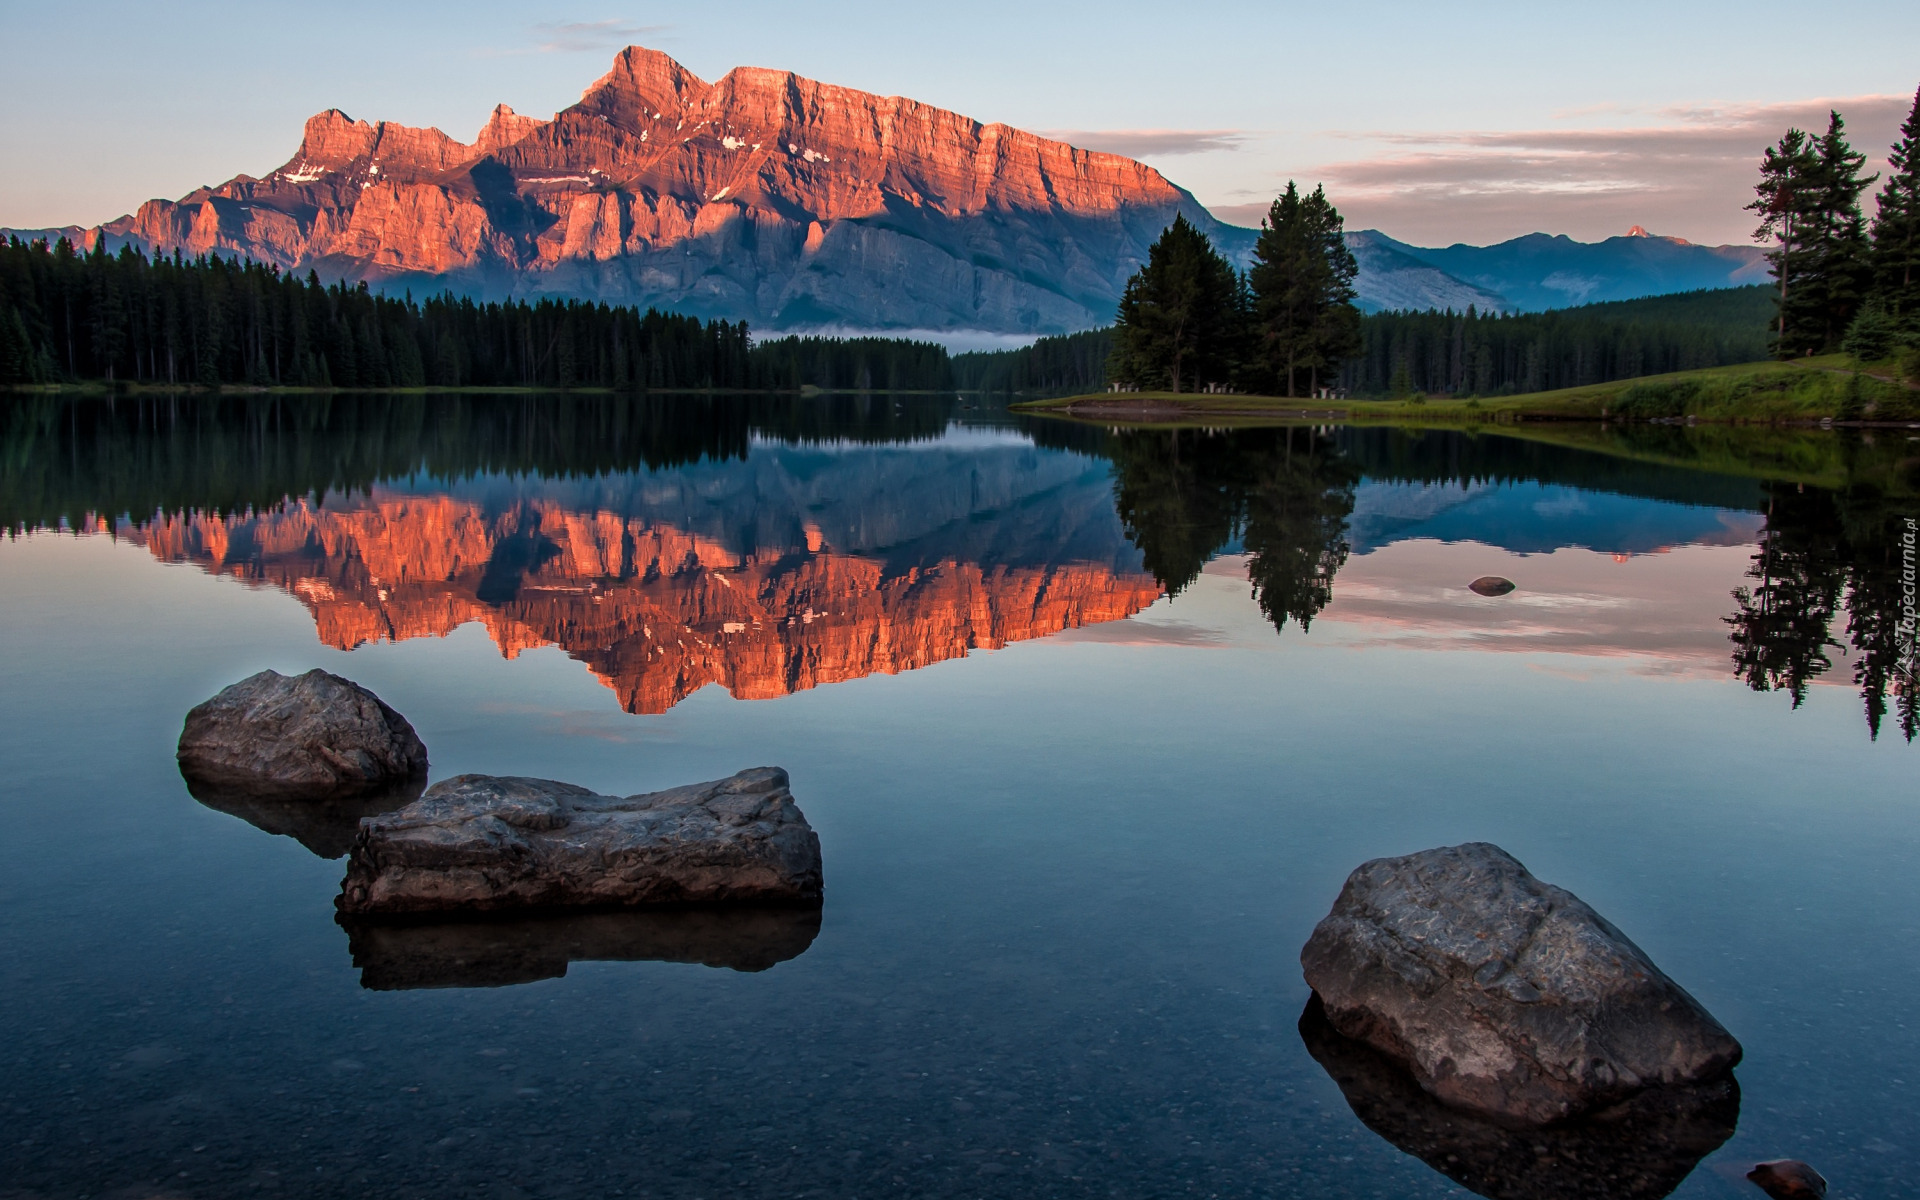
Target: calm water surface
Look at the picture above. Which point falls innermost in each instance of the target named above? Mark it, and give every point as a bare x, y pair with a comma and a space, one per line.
1092, 726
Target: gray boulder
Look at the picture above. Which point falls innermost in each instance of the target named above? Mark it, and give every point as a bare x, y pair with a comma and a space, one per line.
302, 736
1501, 994
484, 843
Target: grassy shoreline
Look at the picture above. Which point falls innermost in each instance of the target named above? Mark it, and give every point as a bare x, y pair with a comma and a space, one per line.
1810, 391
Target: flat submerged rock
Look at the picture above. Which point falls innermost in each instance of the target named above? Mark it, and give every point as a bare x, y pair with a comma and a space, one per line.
1501, 994
483, 843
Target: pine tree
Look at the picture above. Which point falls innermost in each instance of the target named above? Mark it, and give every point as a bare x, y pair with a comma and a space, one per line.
1841, 270
1281, 278
1182, 316
1302, 282
1336, 327
1896, 227
1784, 202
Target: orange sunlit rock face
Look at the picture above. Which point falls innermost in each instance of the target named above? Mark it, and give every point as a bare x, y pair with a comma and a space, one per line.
762, 195
654, 612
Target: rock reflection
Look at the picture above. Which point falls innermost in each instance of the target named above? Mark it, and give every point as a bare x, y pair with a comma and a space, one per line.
325, 827
396, 956
1639, 1150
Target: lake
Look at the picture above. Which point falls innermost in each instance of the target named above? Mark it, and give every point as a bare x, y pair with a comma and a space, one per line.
1092, 725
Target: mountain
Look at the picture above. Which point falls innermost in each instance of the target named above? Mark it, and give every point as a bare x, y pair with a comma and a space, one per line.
793, 204
762, 196
1392, 277
1542, 271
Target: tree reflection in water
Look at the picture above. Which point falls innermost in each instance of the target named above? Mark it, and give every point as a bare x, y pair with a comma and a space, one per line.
1285, 494
1820, 549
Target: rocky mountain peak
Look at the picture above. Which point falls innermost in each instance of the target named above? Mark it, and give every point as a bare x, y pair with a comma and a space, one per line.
503, 129
643, 87
764, 196
332, 138
335, 143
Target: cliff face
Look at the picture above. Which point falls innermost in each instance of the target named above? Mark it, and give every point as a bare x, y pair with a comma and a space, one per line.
763, 196
654, 612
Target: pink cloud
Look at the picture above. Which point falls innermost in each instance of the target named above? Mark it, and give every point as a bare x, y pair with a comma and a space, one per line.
1689, 175
1141, 143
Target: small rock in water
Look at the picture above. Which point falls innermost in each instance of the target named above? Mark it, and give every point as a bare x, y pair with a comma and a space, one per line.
1491, 585
308, 736
482, 843
1502, 994
1789, 1179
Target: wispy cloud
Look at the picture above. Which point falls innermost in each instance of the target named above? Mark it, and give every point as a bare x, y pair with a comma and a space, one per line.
1689, 170
1137, 143
580, 37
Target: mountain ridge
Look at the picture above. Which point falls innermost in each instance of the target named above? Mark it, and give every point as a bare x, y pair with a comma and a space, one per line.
762, 196
792, 204
1541, 271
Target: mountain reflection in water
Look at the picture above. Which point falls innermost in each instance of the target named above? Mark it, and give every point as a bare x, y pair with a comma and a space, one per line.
773, 544
800, 567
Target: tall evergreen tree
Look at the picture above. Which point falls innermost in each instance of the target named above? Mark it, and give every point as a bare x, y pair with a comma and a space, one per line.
1283, 280
1182, 317
1336, 331
1842, 270
1784, 200
1896, 227
1305, 322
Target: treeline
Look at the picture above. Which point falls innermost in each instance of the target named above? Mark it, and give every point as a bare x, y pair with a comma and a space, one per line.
210, 321
1494, 354
1458, 353
852, 364
1052, 366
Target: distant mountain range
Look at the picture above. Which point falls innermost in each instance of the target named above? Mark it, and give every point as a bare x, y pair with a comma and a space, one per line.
1542, 271
793, 204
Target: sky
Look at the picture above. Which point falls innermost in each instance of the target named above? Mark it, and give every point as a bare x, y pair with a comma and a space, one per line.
1436, 122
